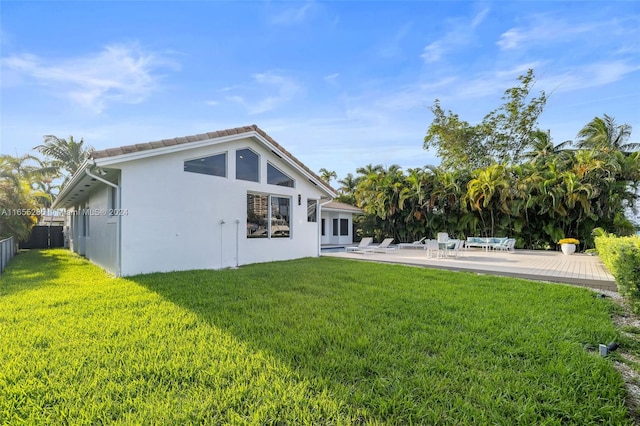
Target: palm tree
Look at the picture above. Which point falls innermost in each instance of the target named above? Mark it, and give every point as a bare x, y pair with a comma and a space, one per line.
369, 169
420, 185
444, 202
19, 200
543, 150
347, 189
488, 190
66, 155
604, 135
327, 175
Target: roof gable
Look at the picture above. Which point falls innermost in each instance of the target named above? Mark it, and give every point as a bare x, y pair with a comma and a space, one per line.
82, 182
147, 148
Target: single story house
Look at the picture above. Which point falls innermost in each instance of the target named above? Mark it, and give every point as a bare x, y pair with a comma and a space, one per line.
207, 201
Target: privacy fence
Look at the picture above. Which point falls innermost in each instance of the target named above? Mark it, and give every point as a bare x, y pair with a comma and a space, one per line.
43, 237
7, 251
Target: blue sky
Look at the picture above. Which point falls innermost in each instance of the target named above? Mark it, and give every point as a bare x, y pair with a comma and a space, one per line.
338, 84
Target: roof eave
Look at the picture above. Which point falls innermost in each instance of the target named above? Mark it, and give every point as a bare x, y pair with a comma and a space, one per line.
69, 187
254, 133
293, 162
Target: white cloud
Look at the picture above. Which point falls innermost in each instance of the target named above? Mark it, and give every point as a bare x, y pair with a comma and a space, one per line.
460, 35
512, 38
433, 52
545, 29
268, 91
293, 15
118, 74
589, 75
332, 79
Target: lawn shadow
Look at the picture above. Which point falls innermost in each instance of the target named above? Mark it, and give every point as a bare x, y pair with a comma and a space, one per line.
329, 328
396, 344
31, 269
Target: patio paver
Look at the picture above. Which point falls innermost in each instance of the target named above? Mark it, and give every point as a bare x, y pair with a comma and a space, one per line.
576, 269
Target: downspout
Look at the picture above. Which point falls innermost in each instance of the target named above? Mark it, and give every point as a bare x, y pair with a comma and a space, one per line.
222, 222
237, 242
118, 218
320, 224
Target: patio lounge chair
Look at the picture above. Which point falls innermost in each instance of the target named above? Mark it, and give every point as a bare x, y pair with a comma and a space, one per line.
415, 244
383, 247
363, 247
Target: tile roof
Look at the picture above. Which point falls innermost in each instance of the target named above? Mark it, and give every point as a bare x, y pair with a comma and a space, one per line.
128, 149
337, 205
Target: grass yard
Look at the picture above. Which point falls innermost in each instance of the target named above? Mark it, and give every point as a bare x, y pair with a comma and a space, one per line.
311, 341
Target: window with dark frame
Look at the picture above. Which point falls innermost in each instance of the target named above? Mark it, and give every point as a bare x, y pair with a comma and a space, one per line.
277, 177
247, 165
113, 200
85, 219
268, 216
312, 211
280, 216
257, 212
344, 226
214, 165
335, 227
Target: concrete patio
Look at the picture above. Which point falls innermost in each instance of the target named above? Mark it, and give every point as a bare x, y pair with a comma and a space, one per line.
577, 269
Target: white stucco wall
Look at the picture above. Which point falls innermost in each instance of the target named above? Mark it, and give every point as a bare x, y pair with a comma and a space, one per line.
98, 242
173, 219
328, 237
101, 242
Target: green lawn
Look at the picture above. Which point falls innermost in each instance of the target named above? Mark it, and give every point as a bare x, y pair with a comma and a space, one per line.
311, 341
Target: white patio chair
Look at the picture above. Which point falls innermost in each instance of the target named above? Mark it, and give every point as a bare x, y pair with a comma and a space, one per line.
432, 247
443, 240
456, 248
383, 247
443, 237
363, 246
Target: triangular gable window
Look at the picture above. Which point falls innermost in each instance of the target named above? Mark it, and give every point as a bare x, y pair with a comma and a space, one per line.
276, 177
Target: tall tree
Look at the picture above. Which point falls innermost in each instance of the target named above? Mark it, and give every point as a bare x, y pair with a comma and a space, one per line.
369, 169
542, 149
326, 175
488, 191
347, 189
456, 141
19, 200
65, 154
509, 129
604, 135
502, 137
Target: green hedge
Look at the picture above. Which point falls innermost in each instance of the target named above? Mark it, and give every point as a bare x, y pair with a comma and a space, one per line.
621, 255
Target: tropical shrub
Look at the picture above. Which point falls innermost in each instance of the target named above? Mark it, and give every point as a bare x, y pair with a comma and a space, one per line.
621, 256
